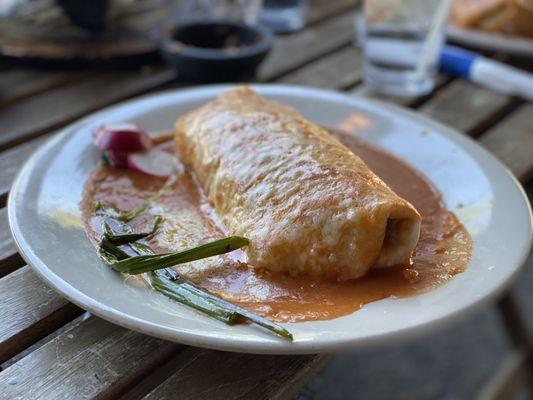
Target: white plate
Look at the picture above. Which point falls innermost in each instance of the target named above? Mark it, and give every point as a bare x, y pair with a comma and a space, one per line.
46, 224
515, 45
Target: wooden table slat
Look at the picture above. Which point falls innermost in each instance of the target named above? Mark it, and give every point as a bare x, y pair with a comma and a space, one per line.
291, 52
466, 107
17, 84
12, 160
93, 360
10, 260
26, 119
511, 141
29, 311
236, 376
510, 377
320, 9
338, 70
96, 359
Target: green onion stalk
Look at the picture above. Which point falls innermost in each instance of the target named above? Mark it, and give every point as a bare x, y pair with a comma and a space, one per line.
113, 252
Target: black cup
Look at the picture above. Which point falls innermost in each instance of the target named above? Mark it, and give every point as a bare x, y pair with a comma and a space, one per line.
216, 50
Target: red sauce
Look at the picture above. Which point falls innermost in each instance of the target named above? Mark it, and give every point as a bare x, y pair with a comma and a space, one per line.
444, 248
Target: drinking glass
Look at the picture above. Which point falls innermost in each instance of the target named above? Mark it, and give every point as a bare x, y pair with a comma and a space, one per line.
235, 10
284, 15
401, 42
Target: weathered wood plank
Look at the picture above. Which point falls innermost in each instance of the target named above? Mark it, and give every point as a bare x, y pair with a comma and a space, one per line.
338, 70
28, 118
291, 52
509, 378
467, 107
236, 376
12, 160
320, 9
5, 64
9, 257
39, 343
512, 317
30, 310
517, 369
511, 141
18, 83
93, 360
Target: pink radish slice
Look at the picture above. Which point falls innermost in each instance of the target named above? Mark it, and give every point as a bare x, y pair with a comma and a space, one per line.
122, 137
160, 136
154, 162
117, 159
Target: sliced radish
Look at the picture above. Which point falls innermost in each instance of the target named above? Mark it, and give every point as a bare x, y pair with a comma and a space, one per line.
117, 159
121, 137
154, 162
160, 136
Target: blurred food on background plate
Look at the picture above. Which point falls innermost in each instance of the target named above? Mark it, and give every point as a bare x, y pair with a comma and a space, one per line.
512, 17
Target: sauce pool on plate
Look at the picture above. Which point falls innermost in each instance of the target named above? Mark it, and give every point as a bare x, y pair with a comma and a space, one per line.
444, 248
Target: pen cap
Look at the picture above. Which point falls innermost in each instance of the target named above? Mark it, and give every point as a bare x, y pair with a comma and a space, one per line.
456, 61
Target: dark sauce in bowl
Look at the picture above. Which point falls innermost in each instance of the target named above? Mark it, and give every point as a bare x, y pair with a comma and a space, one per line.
215, 51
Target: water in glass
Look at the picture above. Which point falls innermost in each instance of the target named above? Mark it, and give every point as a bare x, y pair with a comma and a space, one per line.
402, 40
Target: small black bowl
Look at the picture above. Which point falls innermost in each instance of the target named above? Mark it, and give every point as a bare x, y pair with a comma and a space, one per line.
215, 51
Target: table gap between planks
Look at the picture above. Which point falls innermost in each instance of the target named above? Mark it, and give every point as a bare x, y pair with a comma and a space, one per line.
49, 348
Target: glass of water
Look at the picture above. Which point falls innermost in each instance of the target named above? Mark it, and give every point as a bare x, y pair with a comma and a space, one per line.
284, 15
401, 42
235, 10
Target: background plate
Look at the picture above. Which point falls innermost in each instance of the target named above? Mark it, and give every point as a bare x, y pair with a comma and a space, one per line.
515, 45
46, 224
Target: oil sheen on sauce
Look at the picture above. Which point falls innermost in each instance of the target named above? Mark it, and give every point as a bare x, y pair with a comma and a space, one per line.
444, 248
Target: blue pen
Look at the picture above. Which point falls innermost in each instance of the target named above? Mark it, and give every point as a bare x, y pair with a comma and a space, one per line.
486, 72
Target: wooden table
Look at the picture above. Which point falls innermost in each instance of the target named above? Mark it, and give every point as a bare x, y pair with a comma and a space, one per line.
51, 349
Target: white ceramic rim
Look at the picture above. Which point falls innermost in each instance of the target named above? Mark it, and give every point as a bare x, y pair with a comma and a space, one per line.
229, 343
